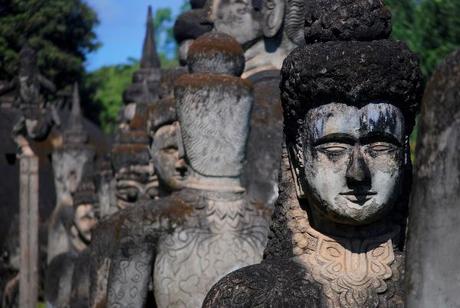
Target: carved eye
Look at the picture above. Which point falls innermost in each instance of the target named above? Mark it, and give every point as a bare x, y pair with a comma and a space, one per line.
333, 149
170, 150
382, 147
128, 194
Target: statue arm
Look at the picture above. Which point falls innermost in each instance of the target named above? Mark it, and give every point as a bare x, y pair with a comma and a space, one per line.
130, 273
123, 251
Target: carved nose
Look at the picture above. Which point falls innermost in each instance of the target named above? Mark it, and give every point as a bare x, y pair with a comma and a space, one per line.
357, 171
180, 165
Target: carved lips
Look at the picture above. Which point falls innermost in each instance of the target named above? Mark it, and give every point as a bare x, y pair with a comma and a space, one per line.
358, 197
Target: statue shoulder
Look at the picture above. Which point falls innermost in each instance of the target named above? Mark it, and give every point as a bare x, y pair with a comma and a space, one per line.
139, 222
278, 283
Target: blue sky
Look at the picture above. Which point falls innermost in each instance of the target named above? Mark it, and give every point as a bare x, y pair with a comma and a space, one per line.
121, 29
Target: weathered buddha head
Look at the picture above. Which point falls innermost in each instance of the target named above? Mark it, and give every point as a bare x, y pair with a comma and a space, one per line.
165, 147
134, 173
214, 106
349, 109
85, 209
249, 21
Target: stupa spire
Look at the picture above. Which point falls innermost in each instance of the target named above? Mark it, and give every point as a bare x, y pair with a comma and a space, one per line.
149, 57
75, 132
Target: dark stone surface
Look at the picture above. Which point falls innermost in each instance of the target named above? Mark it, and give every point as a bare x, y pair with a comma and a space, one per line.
140, 227
131, 148
351, 73
190, 25
79, 296
260, 173
434, 220
197, 4
58, 280
344, 20
270, 284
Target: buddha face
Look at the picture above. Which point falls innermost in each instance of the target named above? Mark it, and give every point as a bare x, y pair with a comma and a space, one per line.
85, 220
168, 158
353, 160
237, 18
136, 183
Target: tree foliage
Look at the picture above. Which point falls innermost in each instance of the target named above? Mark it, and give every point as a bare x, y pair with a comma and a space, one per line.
60, 30
431, 28
109, 82
107, 85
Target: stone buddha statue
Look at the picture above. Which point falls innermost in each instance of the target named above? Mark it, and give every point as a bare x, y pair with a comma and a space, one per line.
37, 116
67, 276
267, 30
69, 160
166, 149
434, 214
135, 178
337, 235
196, 235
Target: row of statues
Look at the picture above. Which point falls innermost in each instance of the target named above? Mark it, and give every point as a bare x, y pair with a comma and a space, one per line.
271, 169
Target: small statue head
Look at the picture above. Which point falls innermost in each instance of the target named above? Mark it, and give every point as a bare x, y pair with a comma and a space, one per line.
166, 146
134, 173
214, 106
249, 21
349, 108
74, 150
85, 208
189, 26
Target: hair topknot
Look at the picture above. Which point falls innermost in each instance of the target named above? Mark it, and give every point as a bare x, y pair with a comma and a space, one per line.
344, 20
216, 53
353, 73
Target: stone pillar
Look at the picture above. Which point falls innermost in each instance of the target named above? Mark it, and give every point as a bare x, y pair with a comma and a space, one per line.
433, 263
28, 219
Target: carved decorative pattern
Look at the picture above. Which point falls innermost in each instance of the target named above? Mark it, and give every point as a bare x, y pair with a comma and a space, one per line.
351, 271
221, 237
283, 283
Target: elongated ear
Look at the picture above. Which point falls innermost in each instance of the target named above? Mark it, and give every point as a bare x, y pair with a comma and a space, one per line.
273, 16
296, 160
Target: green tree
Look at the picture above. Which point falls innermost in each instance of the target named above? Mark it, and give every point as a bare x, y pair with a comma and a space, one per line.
109, 82
436, 31
431, 28
62, 33
107, 85
60, 30
166, 45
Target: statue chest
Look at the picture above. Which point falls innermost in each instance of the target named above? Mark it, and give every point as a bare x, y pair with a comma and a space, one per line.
356, 273
193, 258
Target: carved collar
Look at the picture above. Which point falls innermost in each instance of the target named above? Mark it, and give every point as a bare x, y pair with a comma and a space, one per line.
351, 271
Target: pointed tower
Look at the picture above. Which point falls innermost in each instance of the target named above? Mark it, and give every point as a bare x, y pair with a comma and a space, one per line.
149, 58
75, 132
149, 74
150, 62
